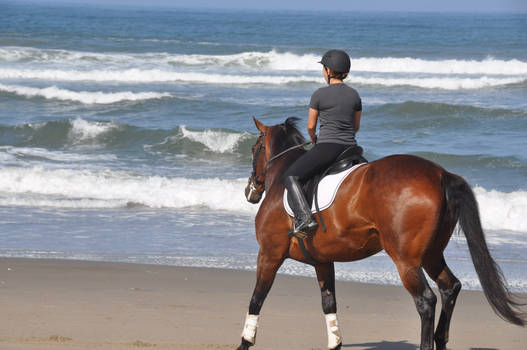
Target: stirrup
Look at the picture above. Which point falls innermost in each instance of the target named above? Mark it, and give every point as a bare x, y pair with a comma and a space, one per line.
303, 234
298, 234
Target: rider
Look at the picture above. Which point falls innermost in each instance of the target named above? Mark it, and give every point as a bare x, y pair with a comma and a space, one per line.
339, 107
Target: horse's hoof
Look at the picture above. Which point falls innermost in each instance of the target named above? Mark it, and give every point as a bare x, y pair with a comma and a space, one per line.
338, 347
440, 343
441, 346
244, 345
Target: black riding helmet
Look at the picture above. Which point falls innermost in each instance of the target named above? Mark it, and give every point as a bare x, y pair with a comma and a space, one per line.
337, 60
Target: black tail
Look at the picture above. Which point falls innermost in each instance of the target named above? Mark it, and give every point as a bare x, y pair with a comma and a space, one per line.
460, 199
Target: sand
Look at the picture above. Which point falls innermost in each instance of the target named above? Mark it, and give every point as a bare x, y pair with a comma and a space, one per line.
62, 304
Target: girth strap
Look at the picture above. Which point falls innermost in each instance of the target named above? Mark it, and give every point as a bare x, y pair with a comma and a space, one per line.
300, 239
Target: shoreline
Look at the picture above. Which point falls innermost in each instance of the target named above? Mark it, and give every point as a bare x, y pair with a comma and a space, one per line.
71, 304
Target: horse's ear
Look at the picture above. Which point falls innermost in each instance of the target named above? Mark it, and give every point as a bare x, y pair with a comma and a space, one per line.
259, 125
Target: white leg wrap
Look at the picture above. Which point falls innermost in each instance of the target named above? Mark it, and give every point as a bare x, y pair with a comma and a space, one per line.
250, 327
334, 337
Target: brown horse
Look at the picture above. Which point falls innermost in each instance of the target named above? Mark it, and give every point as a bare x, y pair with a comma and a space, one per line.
403, 204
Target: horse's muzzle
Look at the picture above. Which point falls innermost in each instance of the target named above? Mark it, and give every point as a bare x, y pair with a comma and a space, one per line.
253, 192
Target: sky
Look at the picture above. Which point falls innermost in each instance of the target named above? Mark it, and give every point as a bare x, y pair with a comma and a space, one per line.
493, 6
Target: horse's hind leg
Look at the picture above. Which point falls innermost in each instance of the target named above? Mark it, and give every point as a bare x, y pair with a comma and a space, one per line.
425, 300
449, 287
326, 280
265, 274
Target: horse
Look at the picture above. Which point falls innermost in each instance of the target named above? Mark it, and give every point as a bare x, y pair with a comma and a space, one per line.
404, 204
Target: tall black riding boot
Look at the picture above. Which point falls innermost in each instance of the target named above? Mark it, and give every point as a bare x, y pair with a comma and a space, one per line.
304, 223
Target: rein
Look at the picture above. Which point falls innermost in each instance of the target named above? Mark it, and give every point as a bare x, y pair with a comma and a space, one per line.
285, 151
255, 157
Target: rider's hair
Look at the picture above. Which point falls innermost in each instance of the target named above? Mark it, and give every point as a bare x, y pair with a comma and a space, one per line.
340, 76
336, 75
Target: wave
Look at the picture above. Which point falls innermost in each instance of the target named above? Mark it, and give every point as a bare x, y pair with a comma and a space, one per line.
216, 140
11, 155
450, 83
108, 134
417, 108
39, 187
502, 211
135, 75
270, 60
165, 76
66, 188
63, 134
474, 161
488, 66
84, 130
86, 97
418, 116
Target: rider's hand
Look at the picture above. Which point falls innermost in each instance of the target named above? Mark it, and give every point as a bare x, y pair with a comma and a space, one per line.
313, 139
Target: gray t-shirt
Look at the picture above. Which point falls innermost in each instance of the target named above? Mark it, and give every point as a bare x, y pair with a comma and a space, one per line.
337, 104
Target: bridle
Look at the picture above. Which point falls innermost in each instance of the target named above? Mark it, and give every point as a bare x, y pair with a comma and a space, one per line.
254, 179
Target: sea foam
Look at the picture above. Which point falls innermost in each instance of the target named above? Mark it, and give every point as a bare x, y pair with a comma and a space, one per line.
37, 186
215, 140
83, 130
502, 211
163, 76
268, 60
19, 155
87, 97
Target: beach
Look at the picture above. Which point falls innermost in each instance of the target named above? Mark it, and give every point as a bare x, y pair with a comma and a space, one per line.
66, 304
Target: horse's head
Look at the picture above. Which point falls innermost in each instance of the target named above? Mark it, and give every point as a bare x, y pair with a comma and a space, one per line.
256, 186
273, 142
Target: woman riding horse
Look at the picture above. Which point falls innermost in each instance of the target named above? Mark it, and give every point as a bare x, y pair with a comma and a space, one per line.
403, 204
339, 108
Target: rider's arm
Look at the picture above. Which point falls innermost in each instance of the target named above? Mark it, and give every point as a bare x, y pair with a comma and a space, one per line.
356, 123
312, 124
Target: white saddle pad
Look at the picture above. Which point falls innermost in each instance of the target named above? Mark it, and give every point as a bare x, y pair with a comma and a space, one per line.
327, 190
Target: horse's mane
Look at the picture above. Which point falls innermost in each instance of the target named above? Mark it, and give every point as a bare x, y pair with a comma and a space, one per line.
292, 136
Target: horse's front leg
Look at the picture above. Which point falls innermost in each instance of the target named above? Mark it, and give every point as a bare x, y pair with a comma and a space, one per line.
326, 280
265, 274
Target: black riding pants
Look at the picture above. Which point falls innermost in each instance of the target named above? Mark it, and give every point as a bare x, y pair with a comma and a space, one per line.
315, 161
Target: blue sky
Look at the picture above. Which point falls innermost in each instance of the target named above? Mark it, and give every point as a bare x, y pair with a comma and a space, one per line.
329, 5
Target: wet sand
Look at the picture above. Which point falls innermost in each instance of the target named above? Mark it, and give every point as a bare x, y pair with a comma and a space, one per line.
61, 304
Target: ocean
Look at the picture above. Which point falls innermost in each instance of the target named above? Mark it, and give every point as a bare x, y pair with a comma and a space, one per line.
126, 132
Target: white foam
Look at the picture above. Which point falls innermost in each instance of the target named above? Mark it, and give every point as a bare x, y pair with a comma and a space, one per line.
216, 141
37, 186
87, 97
7, 158
273, 60
163, 76
445, 83
135, 75
488, 66
11, 153
84, 130
269, 60
29, 55
502, 211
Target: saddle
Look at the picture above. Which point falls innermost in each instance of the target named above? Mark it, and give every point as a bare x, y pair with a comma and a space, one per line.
349, 158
